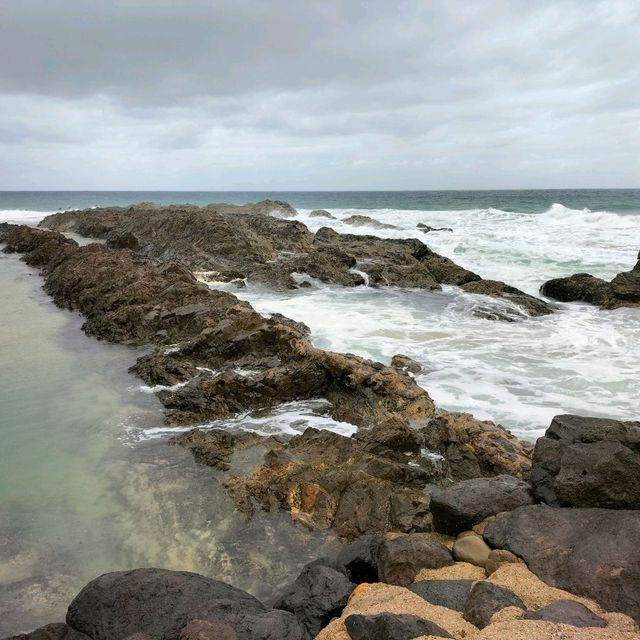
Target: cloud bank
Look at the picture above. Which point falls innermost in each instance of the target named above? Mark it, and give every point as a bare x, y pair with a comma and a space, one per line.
245, 94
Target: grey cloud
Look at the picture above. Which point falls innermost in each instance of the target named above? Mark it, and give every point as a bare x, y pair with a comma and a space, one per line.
334, 94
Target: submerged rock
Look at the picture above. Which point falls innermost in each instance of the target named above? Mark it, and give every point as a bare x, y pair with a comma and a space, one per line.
589, 552
425, 228
588, 462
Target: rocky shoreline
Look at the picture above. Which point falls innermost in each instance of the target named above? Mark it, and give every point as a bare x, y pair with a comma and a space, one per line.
452, 527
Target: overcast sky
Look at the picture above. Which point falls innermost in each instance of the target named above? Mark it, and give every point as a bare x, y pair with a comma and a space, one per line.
338, 94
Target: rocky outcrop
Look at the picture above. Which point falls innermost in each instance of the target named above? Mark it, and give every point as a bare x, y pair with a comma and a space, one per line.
235, 243
590, 552
464, 504
216, 357
359, 221
588, 462
474, 448
496, 289
322, 213
162, 603
327, 480
622, 291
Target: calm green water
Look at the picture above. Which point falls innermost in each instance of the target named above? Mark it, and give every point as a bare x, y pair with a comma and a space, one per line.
79, 496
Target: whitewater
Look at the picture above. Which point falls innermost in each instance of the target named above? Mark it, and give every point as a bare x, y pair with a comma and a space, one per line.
520, 374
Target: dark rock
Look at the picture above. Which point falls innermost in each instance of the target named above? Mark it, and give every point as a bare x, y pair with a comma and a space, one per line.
485, 600
464, 504
533, 306
55, 631
318, 595
359, 220
622, 291
208, 630
360, 559
161, 603
589, 552
452, 594
566, 612
321, 213
588, 462
401, 559
122, 240
393, 434
425, 228
405, 363
389, 626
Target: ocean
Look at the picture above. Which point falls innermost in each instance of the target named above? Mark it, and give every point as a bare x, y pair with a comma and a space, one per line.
87, 483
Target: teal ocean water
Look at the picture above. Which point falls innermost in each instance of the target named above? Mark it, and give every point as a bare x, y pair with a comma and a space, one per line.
523, 201
87, 481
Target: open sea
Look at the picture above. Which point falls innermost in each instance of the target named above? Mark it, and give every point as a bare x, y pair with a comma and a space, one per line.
87, 483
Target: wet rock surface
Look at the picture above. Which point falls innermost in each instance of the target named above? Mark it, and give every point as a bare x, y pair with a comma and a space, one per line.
588, 462
590, 552
622, 291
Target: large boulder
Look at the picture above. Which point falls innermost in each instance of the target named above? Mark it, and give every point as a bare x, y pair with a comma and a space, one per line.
485, 600
589, 552
464, 504
318, 595
402, 558
588, 462
161, 603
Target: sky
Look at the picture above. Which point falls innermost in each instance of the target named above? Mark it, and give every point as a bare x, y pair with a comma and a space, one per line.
315, 95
